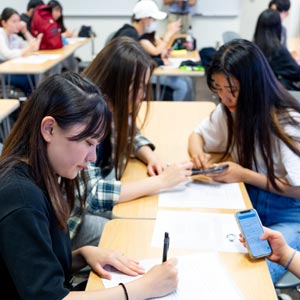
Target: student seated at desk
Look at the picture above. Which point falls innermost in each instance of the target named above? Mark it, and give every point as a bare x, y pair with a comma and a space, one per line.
26, 16
12, 46
70, 63
283, 7
144, 18
267, 36
52, 141
258, 124
157, 48
122, 71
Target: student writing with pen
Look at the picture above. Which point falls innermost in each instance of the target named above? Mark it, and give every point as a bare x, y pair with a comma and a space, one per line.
52, 141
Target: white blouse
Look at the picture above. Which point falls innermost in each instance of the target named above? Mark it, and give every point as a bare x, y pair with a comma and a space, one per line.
10, 46
213, 129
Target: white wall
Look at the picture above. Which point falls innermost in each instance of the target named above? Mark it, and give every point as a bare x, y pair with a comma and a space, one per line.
207, 30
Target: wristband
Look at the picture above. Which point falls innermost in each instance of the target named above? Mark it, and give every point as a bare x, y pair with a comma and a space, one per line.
290, 260
125, 290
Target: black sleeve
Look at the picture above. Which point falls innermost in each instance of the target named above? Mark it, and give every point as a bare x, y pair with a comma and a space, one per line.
33, 250
284, 65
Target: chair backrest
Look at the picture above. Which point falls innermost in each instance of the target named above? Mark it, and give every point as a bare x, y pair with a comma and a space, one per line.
287, 281
229, 36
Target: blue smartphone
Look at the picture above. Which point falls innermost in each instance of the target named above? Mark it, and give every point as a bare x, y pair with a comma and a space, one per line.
251, 228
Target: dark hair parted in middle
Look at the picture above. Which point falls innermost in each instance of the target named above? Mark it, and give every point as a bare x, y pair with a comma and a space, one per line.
70, 99
120, 70
263, 105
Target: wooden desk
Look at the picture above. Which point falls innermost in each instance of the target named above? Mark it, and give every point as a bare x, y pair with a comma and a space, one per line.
168, 126
133, 238
293, 44
166, 71
6, 108
13, 67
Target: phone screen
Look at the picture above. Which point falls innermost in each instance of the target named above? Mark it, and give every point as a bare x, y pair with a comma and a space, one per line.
252, 230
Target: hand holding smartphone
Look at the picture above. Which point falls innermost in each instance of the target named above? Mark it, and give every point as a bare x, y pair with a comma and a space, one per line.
251, 228
212, 170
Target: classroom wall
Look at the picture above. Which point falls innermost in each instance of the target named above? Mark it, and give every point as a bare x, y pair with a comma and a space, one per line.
207, 30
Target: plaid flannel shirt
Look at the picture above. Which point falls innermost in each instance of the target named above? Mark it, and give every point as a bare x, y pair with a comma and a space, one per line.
102, 193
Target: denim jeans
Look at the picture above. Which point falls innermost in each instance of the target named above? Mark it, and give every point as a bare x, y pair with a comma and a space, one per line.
23, 82
279, 213
182, 86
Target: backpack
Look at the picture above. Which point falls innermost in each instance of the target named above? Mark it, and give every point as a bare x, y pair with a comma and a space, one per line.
42, 22
86, 31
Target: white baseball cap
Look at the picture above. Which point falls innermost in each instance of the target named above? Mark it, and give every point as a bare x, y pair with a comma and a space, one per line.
147, 9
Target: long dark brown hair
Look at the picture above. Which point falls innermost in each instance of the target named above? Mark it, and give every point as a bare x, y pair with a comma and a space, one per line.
122, 64
70, 99
263, 105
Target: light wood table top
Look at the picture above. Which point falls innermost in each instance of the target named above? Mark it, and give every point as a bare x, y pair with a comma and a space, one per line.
168, 127
13, 67
170, 123
133, 238
7, 106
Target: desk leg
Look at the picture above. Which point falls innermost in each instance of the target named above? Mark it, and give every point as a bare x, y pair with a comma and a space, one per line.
4, 94
6, 127
157, 91
38, 79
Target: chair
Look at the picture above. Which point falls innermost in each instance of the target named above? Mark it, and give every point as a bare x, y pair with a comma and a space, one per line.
229, 36
288, 281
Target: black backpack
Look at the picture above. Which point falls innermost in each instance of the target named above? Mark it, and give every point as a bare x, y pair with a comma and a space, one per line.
86, 31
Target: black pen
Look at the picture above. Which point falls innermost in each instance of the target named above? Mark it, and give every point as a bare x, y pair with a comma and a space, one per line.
166, 247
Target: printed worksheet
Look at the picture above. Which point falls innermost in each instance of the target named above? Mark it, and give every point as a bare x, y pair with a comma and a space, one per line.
203, 195
201, 276
198, 231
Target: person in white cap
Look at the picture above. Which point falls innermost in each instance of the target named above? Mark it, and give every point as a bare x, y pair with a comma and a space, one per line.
145, 15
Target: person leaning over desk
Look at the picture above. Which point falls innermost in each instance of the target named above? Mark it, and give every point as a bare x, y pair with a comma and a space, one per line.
122, 71
258, 124
52, 141
144, 18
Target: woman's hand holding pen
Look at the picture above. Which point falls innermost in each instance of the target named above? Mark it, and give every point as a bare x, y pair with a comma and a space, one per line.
161, 279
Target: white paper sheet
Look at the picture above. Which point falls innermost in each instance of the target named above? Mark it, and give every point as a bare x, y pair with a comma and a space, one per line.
204, 195
195, 230
175, 62
75, 40
201, 276
36, 59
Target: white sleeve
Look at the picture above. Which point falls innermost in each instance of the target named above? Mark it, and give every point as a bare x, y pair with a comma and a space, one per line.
7, 53
291, 160
213, 129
